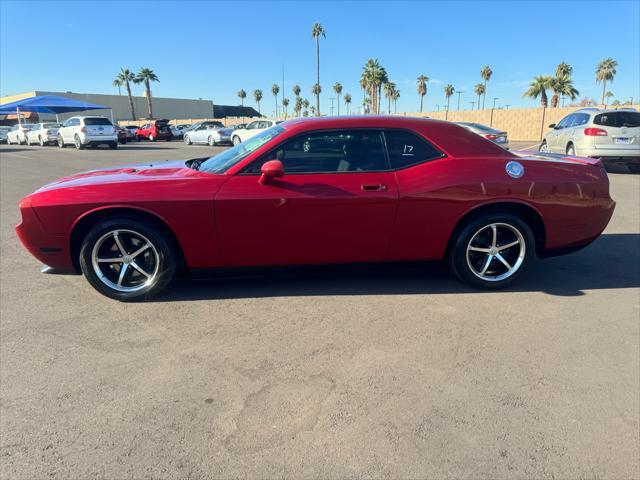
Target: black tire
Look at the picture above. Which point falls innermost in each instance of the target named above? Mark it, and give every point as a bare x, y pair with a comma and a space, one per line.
187, 139
236, 140
61, 142
138, 138
113, 145
123, 141
543, 147
633, 167
162, 259
570, 148
78, 143
211, 142
463, 263
168, 139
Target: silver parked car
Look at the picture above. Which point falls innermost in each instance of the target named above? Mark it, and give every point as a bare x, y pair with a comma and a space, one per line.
43, 134
208, 132
496, 136
610, 135
4, 133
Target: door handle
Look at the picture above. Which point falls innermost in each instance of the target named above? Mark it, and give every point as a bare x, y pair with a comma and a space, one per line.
374, 187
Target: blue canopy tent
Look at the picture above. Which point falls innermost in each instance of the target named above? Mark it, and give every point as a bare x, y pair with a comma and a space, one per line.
50, 104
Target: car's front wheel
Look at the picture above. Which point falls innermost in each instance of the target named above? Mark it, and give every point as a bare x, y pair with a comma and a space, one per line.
187, 139
236, 140
127, 259
61, 141
211, 141
543, 147
78, 143
152, 138
492, 251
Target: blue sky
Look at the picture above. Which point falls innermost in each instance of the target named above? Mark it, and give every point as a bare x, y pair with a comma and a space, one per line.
211, 50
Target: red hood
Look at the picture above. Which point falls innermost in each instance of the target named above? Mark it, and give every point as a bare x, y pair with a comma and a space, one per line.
125, 173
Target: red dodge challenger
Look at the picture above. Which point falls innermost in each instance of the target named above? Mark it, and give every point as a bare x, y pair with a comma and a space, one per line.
321, 191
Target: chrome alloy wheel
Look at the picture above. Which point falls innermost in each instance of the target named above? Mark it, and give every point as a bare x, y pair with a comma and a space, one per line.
125, 261
495, 252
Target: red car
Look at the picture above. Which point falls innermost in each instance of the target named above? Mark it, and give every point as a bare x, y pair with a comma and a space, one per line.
157, 130
321, 191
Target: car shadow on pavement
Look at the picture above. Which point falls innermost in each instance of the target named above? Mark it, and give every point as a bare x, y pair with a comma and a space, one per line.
612, 261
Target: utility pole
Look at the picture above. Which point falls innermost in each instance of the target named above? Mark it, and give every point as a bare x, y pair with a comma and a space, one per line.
473, 104
331, 108
459, 92
506, 107
437, 107
494, 101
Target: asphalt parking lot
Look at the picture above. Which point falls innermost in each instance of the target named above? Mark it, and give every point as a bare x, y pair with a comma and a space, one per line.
380, 372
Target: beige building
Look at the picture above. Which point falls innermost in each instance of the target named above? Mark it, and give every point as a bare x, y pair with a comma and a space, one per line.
162, 107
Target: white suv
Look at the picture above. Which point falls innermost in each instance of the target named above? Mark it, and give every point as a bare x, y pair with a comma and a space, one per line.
87, 131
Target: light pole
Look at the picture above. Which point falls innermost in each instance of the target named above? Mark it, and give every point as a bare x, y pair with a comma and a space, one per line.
473, 104
507, 107
331, 108
494, 101
459, 92
437, 107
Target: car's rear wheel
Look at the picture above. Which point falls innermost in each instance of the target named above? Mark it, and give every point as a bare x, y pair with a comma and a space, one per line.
187, 139
543, 147
571, 150
113, 145
127, 259
78, 143
236, 140
492, 251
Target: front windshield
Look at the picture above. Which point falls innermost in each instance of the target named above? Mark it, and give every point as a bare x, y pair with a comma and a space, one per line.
227, 159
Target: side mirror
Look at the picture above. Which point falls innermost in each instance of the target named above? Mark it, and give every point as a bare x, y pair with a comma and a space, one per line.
270, 170
552, 125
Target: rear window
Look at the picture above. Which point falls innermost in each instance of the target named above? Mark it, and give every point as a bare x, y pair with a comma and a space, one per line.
407, 149
618, 119
96, 121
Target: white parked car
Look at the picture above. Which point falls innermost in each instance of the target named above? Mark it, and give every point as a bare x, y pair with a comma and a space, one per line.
243, 134
43, 133
4, 133
87, 131
18, 134
208, 132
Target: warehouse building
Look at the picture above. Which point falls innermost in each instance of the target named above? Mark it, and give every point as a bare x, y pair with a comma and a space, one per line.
170, 108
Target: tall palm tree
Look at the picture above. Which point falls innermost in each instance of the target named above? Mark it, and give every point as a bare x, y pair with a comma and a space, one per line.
146, 76
126, 77
337, 88
118, 83
396, 96
285, 104
313, 111
479, 90
317, 31
562, 86
448, 93
373, 77
564, 70
275, 89
257, 96
538, 88
422, 88
605, 71
242, 94
316, 89
305, 104
485, 73
608, 95
296, 91
347, 101
615, 103
389, 91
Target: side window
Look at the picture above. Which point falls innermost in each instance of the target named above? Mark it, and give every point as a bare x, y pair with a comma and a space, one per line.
329, 152
74, 122
252, 125
407, 149
15, 127
579, 119
565, 122
67, 123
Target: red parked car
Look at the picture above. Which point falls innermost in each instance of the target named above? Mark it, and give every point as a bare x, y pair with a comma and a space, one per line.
157, 130
321, 191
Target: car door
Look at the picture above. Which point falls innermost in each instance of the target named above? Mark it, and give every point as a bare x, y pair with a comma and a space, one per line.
248, 132
557, 134
66, 130
12, 135
336, 203
199, 133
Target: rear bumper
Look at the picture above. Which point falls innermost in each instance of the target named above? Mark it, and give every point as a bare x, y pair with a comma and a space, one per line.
98, 140
624, 153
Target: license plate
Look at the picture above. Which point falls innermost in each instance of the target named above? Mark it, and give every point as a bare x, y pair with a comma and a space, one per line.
622, 140
501, 140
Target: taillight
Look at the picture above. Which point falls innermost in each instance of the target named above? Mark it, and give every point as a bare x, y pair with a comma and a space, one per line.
491, 136
83, 129
595, 132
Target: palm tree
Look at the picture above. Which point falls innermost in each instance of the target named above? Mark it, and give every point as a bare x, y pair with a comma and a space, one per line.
275, 89
605, 70
126, 77
118, 83
538, 88
337, 88
347, 101
422, 88
242, 94
146, 76
389, 91
396, 96
285, 104
448, 93
296, 91
485, 73
608, 95
313, 111
562, 86
373, 77
305, 105
564, 70
316, 89
257, 95
615, 103
479, 90
316, 32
